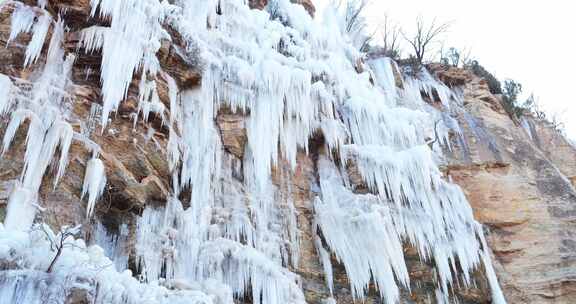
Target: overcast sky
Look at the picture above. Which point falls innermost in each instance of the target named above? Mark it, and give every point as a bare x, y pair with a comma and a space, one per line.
530, 41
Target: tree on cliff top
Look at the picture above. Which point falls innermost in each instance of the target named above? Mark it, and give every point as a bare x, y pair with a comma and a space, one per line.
424, 36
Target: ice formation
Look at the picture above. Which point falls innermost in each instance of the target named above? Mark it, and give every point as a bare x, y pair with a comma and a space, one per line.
292, 77
94, 183
114, 244
44, 104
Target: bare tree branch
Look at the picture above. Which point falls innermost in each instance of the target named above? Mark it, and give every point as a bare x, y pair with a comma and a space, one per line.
58, 244
390, 34
424, 36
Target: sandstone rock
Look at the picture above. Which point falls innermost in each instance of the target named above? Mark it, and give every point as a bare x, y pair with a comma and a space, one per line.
258, 4
518, 188
233, 133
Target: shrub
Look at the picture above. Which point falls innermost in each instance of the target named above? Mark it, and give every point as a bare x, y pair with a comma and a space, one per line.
510, 98
478, 70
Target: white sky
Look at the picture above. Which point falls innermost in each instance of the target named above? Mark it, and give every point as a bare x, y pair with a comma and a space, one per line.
530, 41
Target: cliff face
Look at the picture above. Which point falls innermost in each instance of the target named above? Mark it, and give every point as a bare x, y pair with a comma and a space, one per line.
518, 177
515, 176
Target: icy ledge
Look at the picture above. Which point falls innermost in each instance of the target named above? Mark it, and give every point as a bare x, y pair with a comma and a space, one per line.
86, 270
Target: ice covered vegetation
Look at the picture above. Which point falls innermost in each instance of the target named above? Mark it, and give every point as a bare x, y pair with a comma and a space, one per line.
236, 237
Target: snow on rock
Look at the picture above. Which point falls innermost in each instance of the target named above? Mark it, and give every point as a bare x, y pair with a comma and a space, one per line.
80, 268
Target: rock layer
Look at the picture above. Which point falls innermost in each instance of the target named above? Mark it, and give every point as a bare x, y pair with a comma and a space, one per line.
518, 178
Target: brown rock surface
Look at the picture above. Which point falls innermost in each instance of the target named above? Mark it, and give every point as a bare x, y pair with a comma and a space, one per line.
519, 187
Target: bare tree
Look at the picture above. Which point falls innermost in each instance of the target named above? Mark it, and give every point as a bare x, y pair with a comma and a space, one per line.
355, 23
354, 18
390, 34
58, 242
424, 36
556, 123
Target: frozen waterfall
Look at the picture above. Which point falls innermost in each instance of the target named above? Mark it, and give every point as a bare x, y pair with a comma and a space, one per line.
293, 78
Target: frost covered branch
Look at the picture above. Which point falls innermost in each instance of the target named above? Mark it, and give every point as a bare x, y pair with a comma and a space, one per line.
58, 242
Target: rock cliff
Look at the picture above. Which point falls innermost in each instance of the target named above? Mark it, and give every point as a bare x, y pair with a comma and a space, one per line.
519, 178
517, 175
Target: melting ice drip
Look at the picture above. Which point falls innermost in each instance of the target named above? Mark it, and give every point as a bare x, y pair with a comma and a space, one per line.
291, 77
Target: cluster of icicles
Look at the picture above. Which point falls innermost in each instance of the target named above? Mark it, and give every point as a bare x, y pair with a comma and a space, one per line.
239, 238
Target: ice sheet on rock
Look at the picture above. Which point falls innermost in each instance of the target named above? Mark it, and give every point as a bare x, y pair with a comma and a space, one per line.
452, 124
200, 145
530, 129
413, 203
482, 134
240, 266
293, 87
169, 246
383, 69
497, 295
155, 247
20, 210
113, 243
324, 256
425, 84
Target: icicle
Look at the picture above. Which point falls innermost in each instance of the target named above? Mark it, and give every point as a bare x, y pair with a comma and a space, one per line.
154, 243
496, 291
39, 30
342, 218
94, 183
92, 38
128, 45
22, 20
6, 90
66, 134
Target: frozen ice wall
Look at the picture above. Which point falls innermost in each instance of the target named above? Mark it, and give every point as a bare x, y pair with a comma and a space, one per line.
293, 78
